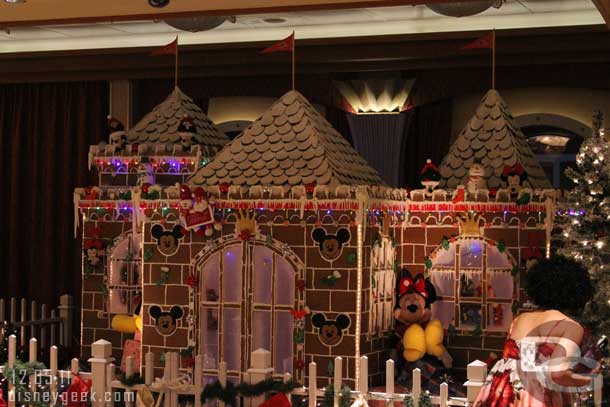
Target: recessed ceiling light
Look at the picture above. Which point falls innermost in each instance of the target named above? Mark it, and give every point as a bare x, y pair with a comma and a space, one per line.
274, 20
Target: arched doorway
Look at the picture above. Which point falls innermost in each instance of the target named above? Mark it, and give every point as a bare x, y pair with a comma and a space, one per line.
247, 292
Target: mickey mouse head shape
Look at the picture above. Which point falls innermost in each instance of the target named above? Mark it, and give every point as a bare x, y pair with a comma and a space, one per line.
331, 246
166, 321
331, 331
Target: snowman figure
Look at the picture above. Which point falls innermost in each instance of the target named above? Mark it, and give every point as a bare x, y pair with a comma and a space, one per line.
476, 178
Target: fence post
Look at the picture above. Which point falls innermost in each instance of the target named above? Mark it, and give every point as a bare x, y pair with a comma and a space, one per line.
109, 378
389, 380
23, 317
52, 329
337, 380
33, 318
598, 383
364, 376
149, 368
66, 312
313, 385
43, 328
53, 367
444, 396
33, 358
260, 370
13, 310
416, 386
12, 355
128, 373
476, 372
101, 352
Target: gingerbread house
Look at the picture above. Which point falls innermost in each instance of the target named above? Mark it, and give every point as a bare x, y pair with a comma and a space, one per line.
288, 241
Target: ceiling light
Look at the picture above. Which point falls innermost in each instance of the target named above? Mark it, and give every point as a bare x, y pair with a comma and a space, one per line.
464, 8
14, 1
274, 20
375, 96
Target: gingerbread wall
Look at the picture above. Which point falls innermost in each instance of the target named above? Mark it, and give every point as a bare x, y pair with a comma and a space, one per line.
320, 295
103, 225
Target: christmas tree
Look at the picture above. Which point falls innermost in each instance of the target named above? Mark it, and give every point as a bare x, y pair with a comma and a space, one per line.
585, 222
585, 225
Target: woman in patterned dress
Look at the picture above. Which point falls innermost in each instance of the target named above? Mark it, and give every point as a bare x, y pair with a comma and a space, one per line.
545, 337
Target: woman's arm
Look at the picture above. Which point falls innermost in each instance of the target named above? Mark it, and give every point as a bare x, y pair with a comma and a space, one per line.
570, 336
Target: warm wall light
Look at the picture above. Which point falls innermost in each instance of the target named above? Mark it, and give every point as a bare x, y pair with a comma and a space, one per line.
14, 1
376, 96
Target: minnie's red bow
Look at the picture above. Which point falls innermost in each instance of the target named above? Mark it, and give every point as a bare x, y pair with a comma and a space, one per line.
515, 169
90, 244
408, 285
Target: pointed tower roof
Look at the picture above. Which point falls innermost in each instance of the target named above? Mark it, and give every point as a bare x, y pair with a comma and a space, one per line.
290, 144
161, 124
492, 138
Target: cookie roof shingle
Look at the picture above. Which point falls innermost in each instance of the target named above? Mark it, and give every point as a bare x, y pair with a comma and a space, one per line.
290, 144
161, 124
492, 138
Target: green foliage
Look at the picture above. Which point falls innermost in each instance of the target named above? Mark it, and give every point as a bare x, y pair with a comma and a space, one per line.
18, 377
424, 400
132, 380
229, 394
345, 396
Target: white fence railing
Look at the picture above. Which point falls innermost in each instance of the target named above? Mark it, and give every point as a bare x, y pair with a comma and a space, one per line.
51, 326
175, 382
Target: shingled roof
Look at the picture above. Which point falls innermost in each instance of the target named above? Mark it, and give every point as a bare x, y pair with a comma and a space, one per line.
161, 124
290, 144
492, 138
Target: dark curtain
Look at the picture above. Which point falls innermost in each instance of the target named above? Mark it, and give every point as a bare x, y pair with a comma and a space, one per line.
379, 138
45, 133
428, 136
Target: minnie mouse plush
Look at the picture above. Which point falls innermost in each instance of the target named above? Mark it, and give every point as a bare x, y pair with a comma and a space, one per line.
421, 335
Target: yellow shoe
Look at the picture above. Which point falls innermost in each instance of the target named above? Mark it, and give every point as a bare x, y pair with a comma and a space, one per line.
434, 338
414, 343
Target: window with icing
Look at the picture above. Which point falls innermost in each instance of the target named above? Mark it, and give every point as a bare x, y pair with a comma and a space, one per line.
475, 285
123, 277
246, 279
383, 281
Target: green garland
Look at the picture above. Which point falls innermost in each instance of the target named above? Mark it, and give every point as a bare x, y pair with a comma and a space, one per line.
131, 380
345, 396
18, 377
424, 400
229, 394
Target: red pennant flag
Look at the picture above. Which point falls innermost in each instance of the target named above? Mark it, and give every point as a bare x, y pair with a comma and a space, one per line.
486, 41
169, 49
286, 45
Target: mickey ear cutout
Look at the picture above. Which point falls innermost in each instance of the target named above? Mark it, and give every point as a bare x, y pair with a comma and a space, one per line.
318, 320
157, 231
155, 311
318, 235
343, 321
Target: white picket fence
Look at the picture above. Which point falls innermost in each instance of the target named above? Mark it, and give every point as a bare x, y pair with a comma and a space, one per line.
52, 326
175, 382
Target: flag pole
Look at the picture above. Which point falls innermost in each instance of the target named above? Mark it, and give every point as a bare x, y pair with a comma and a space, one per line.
493, 59
294, 50
176, 65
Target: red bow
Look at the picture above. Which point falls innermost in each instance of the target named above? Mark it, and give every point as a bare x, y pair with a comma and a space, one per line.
407, 285
298, 314
77, 394
91, 244
279, 400
515, 169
